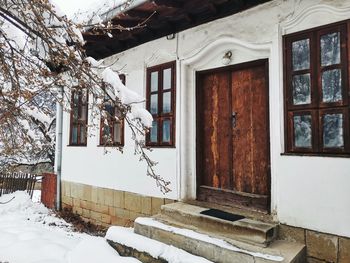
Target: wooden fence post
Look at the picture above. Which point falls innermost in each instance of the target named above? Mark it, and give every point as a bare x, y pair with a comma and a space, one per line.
48, 190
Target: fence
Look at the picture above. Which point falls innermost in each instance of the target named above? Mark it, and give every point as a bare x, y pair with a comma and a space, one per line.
12, 182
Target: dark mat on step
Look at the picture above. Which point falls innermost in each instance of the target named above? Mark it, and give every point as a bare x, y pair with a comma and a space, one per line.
222, 215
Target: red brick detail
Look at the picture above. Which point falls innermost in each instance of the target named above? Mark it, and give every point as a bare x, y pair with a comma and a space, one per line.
48, 190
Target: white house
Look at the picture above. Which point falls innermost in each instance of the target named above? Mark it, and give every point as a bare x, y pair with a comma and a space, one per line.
250, 101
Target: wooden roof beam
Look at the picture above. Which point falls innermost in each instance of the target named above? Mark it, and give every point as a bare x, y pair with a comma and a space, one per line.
139, 13
127, 22
169, 3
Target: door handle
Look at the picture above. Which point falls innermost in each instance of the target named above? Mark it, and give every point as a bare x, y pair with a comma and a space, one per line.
234, 119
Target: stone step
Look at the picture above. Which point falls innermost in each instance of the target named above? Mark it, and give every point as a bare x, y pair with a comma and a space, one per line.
246, 230
129, 244
216, 249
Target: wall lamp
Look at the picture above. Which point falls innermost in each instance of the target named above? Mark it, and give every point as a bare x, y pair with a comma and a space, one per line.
226, 59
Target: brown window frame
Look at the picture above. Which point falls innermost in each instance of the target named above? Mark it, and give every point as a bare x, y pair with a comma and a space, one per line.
111, 121
161, 117
317, 108
81, 124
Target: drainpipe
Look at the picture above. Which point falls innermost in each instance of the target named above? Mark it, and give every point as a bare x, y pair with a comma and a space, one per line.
58, 157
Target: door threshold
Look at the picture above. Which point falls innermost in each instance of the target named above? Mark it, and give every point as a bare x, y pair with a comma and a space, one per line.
248, 213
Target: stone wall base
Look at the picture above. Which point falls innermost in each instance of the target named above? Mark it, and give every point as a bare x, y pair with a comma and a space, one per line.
320, 247
103, 206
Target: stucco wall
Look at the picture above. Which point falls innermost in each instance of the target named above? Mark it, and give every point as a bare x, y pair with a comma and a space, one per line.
309, 192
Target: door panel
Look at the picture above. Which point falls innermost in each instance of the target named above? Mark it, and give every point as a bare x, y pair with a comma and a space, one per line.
249, 137
216, 131
233, 137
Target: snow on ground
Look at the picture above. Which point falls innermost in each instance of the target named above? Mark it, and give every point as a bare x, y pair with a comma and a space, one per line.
29, 233
155, 248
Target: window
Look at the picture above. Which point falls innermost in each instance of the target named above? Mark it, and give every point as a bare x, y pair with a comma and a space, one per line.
317, 90
161, 104
112, 124
78, 118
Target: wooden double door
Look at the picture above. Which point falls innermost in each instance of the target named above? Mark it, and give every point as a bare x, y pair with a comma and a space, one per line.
233, 164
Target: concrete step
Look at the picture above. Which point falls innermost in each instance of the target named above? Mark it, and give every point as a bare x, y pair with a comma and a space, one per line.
219, 250
245, 230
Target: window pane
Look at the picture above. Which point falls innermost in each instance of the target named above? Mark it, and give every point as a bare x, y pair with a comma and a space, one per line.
301, 54
330, 49
302, 131
154, 81
74, 135
301, 89
106, 131
166, 102
167, 78
75, 113
76, 98
83, 95
117, 136
109, 108
331, 85
166, 130
82, 134
154, 104
154, 132
333, 131
83, 112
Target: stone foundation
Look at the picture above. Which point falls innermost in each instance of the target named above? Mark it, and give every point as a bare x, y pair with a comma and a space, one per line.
103, 206
320, 247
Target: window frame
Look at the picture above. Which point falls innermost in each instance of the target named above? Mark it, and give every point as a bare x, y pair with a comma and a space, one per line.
78, 122
317, 108
161, 117
111, 122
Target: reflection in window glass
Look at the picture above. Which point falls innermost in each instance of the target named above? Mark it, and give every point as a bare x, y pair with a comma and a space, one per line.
333, 131
301, 54
117, 136
166, 130
154, 132
75, 113
75, 134
154, 103
167, 78
82, 135
330, 49
83, 112
331, 85
166, 102
76, 98
302, 131
154, 81
106, 134
301, 89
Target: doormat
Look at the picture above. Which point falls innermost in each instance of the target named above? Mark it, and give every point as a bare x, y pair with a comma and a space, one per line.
222, 215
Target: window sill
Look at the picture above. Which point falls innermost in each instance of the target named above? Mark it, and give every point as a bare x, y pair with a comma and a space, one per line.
160, 146
76, 145
111, 145
339, 155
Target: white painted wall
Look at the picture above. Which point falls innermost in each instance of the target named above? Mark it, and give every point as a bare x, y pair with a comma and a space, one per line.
309, 192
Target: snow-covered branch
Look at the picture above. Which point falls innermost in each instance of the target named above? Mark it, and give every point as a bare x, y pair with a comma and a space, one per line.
41, 51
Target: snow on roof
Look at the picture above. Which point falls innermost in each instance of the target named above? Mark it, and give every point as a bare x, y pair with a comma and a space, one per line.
100, 11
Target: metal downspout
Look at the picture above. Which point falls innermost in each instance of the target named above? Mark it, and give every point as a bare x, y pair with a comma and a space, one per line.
58, 158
